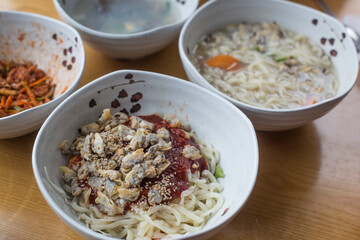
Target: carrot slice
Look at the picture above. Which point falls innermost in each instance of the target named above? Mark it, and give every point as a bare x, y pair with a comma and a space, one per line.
2, 103
21, 91
8, 103
38, 81
30, 94
225, 62
20, 102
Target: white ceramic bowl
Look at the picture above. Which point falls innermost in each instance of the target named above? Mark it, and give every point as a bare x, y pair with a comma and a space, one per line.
55, 47
213, 118
314, 24
129, 46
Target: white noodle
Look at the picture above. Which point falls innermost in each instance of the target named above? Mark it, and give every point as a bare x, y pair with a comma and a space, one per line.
264, 81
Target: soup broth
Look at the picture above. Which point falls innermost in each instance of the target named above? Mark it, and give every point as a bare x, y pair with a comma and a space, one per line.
265, 65
125, 16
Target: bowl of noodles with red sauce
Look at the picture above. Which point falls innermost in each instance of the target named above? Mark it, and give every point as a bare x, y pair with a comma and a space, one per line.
141, 155
41, 63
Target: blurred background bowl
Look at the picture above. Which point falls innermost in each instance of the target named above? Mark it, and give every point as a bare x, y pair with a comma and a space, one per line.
216, 14
128, 45
54, 47
226, 128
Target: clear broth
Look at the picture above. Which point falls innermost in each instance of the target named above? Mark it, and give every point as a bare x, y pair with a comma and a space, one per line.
125, 16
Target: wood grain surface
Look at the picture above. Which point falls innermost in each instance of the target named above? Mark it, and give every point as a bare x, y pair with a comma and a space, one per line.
308, 185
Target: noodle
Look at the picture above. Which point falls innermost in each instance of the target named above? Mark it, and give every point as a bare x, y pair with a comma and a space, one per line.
274, 67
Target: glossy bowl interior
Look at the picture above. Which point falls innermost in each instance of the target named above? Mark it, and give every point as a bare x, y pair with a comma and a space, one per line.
128, 46
55, 47
214, 15
228, 129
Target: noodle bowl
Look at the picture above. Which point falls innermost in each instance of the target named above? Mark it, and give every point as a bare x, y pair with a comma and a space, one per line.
265, 65
234, 140
141, 177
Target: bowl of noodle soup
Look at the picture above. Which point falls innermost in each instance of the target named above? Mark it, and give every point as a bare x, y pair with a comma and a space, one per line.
133, 157
281, 63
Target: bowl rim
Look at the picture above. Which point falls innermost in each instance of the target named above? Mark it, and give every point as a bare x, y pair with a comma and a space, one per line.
82, 228
39, 18
90, 31
203, 82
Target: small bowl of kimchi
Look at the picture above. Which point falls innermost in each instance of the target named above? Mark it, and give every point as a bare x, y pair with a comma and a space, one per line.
41, 63
140, 159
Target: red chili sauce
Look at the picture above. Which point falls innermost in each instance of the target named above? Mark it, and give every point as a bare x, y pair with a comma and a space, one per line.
179, 165
75, 161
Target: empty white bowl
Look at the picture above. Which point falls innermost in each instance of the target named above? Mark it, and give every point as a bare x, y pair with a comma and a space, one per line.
312, 23
212, 118
55, 47
128, 46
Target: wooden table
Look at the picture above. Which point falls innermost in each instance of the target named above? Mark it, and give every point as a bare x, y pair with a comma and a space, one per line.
308, 186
